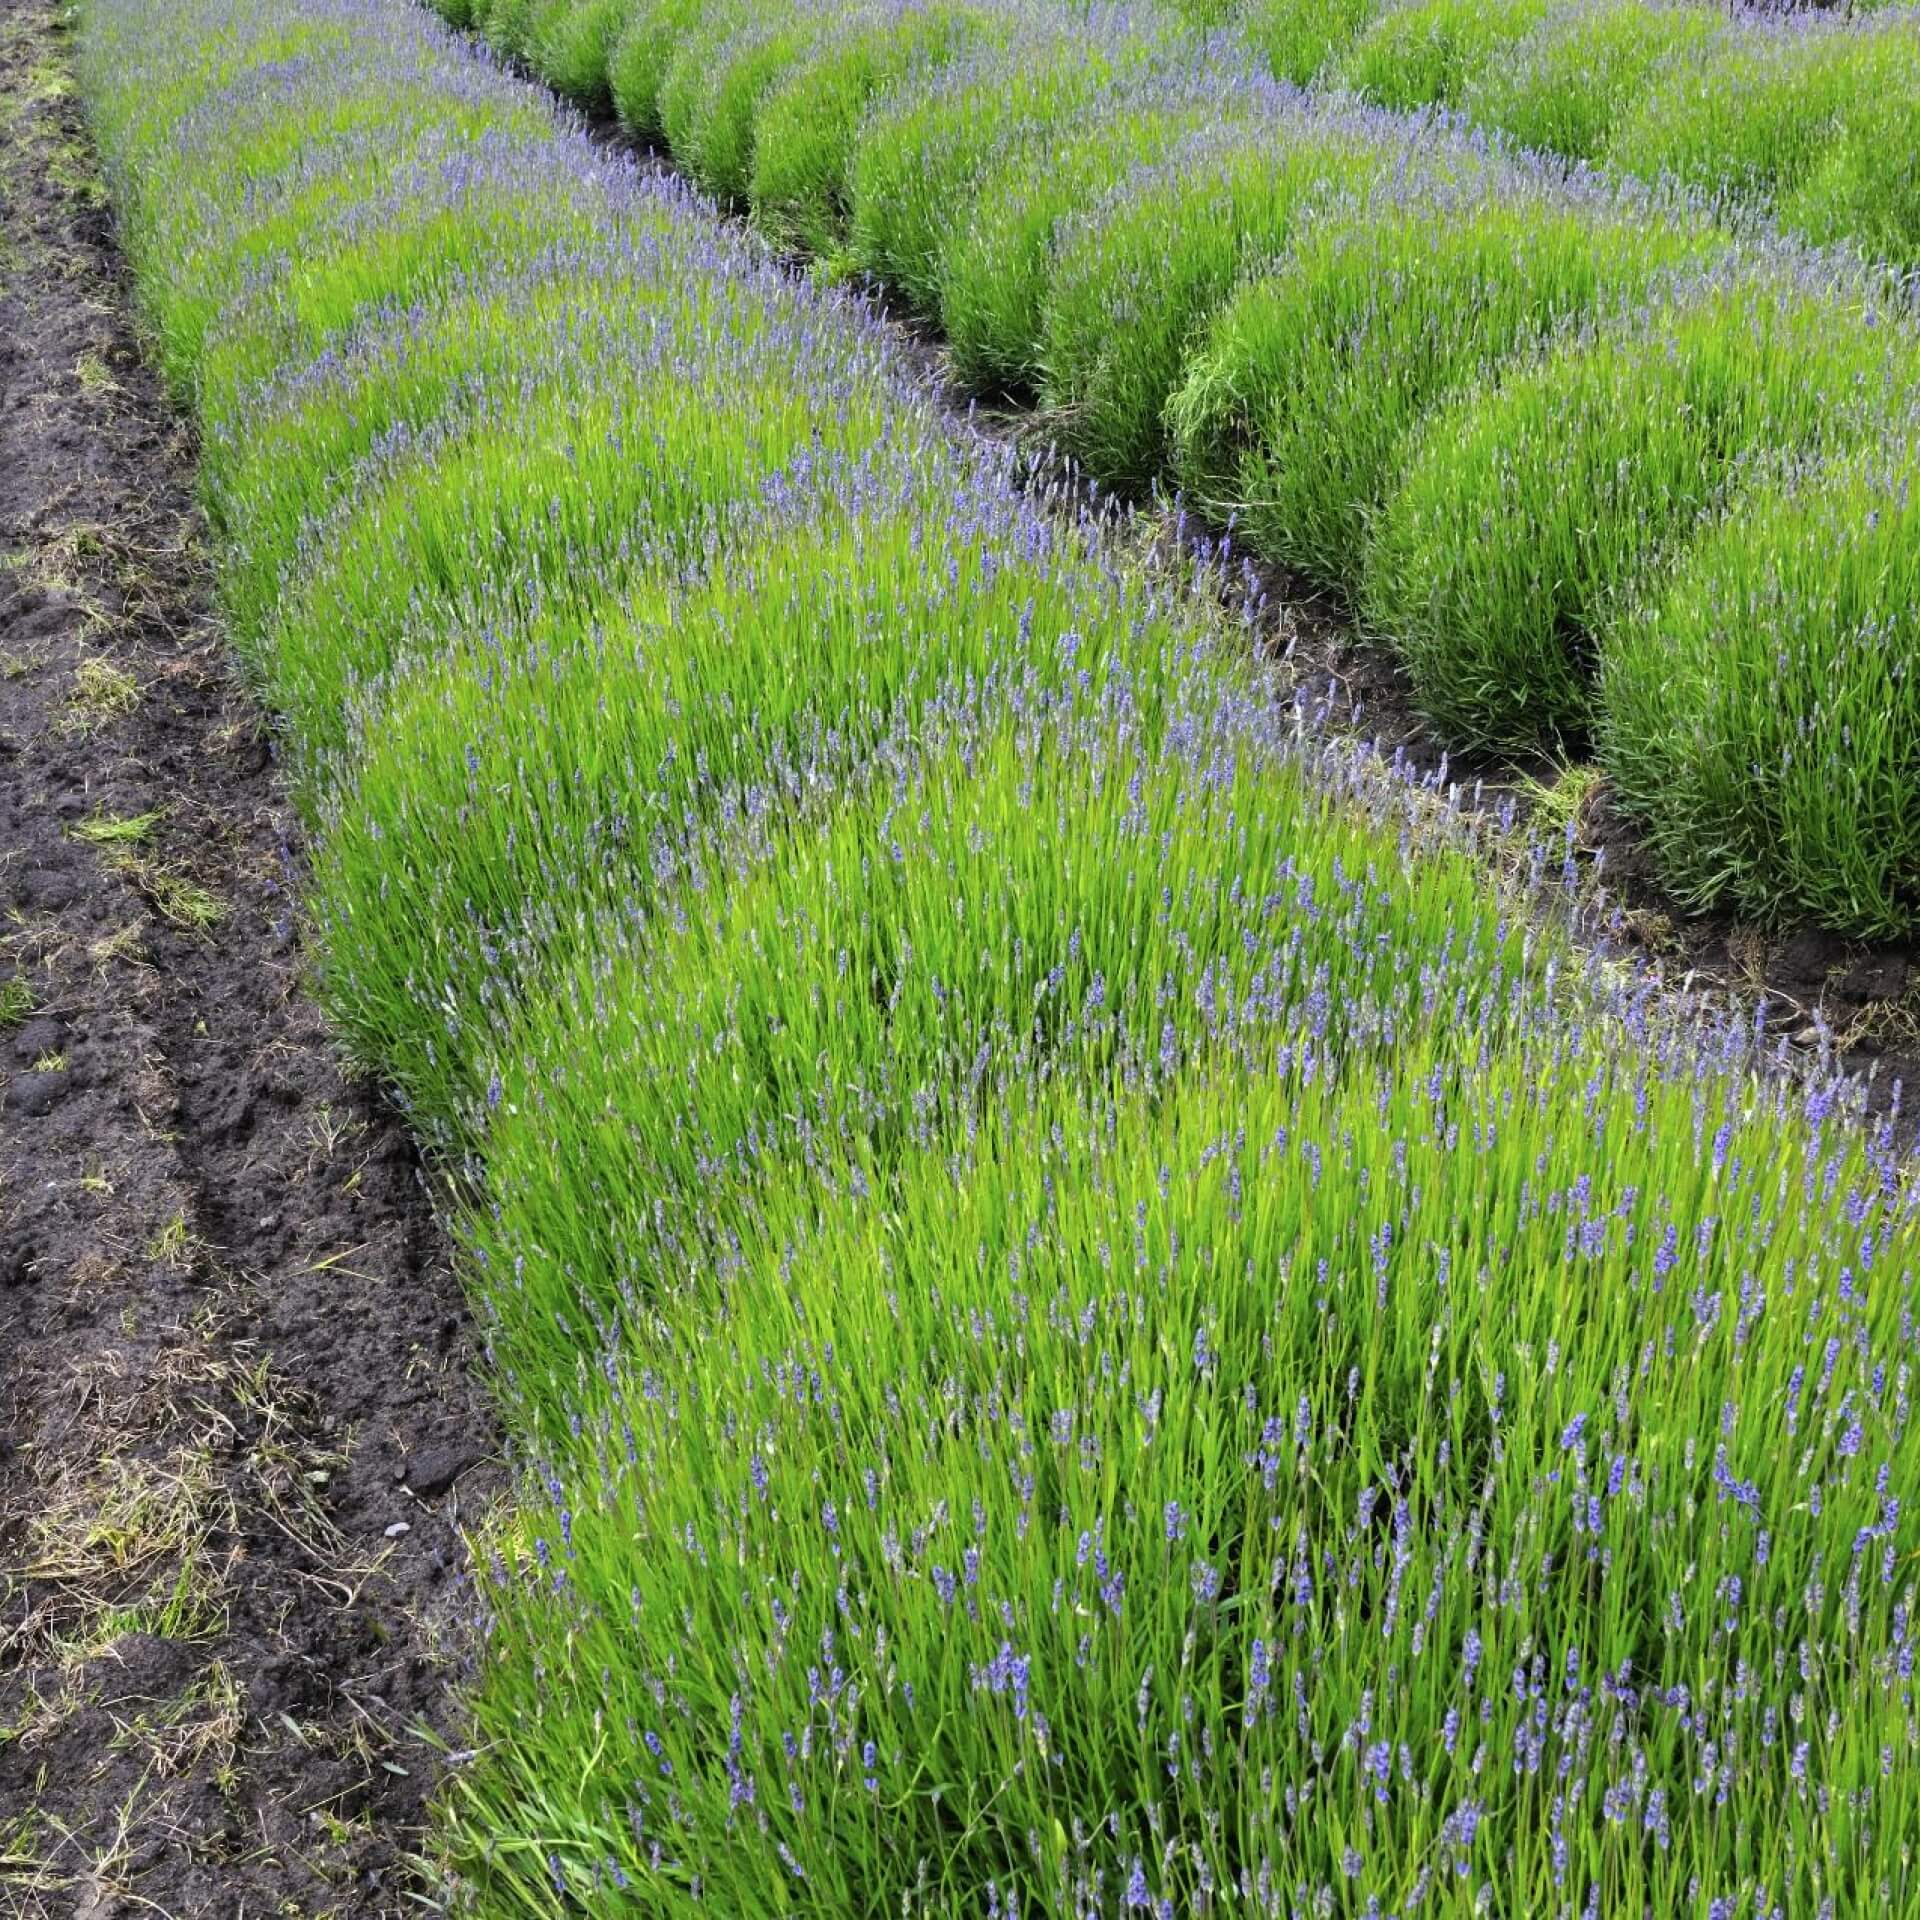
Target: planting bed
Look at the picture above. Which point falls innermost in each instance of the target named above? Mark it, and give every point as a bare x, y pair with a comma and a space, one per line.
1810, 111
237, 1432
1104, 1303
1398, 365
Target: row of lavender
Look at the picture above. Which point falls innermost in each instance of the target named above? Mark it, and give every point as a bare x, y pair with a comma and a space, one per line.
1610, 474
1813, 112
1098, 1314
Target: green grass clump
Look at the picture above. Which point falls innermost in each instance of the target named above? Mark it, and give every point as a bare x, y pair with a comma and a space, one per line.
711, 93
571, 46
1426, 53
1536, 509
270, 467
559, 499
995, 269
1568, 83
651, 34
394, 250
1749, 115
215, 95
808, 124
1082, 894
1761, 718
328, 182
1865, 188
922, 155
1099, 1310
1264, 1418
590, 765
1139, 274
1300, 40
1295, 413
509, 25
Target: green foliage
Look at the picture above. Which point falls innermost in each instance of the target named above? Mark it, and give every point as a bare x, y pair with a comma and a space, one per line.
1748, 115
496, 779
1138, 276
286, 183
427, 535
509, 24
275, 467
1300, 40
995, 269
1536, 509
1864, 190
292, 306
1426, 53
1295, 413
922, 156
650, 36
972, 920
1762, 716
571, 46
1074, 1270
1565, 86
808, 124
1121, 1426
711, 93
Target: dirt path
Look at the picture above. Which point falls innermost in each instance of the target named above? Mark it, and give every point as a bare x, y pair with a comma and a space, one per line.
236, 1423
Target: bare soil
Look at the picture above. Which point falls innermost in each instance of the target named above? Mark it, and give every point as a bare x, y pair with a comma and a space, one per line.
238, 1426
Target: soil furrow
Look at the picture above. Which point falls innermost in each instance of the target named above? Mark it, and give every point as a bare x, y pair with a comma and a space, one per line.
237, 1421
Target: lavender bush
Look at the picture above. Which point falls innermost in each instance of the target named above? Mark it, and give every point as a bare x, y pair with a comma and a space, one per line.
1272, 301
1104, 1305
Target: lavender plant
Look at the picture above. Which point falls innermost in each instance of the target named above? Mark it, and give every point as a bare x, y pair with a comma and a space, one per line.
924, 153
571, 46
1428, 52
561, 492
1541, 504
1300, 1493
1297, 407
1139, 273
595, 766
1301, 40
810, 122
1762, 716
1079, 888
1799, 109
995, 267
1174, 298
710, 94
1565, 86
281, 459
639, 53
1751, 112
1101, 1308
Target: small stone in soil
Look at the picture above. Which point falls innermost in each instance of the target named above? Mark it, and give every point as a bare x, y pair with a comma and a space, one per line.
434, 1469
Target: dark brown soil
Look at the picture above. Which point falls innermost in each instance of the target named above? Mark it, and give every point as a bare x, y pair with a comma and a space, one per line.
237, 1427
